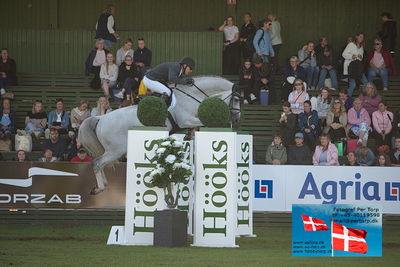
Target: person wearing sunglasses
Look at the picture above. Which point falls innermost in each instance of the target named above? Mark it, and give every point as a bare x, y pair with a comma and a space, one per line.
336, 121
169, 72
298, 96
380, 62
262, 41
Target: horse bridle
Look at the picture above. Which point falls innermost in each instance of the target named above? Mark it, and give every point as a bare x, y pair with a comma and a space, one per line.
232, 95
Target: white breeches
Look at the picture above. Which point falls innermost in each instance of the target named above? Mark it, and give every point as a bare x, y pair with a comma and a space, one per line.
159, 88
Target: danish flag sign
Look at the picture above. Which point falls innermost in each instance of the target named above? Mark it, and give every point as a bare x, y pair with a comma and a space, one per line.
348, 239
313, 224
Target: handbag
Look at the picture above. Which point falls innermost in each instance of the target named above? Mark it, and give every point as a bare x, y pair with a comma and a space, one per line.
23, 141
355, 69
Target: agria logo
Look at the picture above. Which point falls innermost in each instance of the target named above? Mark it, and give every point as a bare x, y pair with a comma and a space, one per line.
32, 172
263, 189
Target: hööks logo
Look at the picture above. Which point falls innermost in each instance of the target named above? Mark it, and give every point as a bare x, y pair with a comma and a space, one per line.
263, 189
32, 172
331, 190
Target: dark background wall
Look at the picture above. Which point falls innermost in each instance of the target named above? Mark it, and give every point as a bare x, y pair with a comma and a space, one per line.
75, 19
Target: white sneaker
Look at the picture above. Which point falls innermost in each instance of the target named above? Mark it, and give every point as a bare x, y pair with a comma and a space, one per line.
119, 95
2, 91
385, 88
245, 102
252, 97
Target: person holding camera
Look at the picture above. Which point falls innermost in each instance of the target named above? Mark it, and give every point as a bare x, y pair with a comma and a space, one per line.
308, 60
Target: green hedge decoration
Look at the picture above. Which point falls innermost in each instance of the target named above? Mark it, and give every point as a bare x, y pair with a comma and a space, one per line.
214, 112
152, 111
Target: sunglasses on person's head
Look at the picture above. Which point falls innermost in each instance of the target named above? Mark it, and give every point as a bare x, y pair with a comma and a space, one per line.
337, 102
298, 84
377, 43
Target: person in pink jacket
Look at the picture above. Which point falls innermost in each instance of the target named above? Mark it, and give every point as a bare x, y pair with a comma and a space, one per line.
326, 154
370, 98
359, 122
382, 122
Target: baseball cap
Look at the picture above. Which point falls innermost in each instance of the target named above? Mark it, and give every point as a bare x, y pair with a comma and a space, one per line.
299, 135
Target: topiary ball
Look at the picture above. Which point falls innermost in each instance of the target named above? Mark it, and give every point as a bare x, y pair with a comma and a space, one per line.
152, 111
213, 112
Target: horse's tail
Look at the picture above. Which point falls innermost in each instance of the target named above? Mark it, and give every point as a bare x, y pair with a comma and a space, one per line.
88, 137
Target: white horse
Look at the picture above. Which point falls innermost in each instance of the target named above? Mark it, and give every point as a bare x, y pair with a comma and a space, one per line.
105, 137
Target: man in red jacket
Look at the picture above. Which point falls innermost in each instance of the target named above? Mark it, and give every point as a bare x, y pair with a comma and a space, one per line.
81, 156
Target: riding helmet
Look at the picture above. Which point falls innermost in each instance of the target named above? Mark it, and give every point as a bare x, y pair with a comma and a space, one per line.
188, 61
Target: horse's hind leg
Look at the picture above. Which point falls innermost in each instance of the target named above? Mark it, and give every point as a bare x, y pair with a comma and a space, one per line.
98, 168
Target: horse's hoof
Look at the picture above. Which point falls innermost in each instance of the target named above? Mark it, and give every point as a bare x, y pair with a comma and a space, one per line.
95, 191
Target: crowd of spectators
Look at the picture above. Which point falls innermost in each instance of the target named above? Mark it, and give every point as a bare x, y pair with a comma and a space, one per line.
312, 128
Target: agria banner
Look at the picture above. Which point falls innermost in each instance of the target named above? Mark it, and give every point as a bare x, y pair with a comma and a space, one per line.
276, 188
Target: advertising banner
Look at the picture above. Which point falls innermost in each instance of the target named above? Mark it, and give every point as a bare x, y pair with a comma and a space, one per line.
61, 185
215, 189
336, 230
142, 198
326, 185
244, 165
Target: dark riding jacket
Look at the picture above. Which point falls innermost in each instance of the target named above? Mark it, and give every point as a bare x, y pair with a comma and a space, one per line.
168, 72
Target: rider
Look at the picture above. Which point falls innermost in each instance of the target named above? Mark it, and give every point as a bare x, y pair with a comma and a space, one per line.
169, 72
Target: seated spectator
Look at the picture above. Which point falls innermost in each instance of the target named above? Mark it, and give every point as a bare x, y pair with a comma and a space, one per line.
351, 159
320, 47
79, 114
308, 125
326, 154
292, 72
324, 103
103, 107
246, 80
298, 96
81, 156
21, 156
383, 160
108, 74
8, 71
380, 62
142, 56
382, 122
96, 58
7, 119
308, 60
128, 78
395, 153
125, 50
353, 67
365, 156
48, 156
288, 124
262, 78
336, 122
55, 144
276, 152
370, 98
36, 120
73, 147
395, 128
326, 64
346, 100
359, 122
299, 154
58, 118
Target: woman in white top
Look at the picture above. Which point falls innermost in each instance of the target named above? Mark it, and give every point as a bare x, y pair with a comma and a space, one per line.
108, 74
103, 107
231, 56
276, 40
125, 50
353, 51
